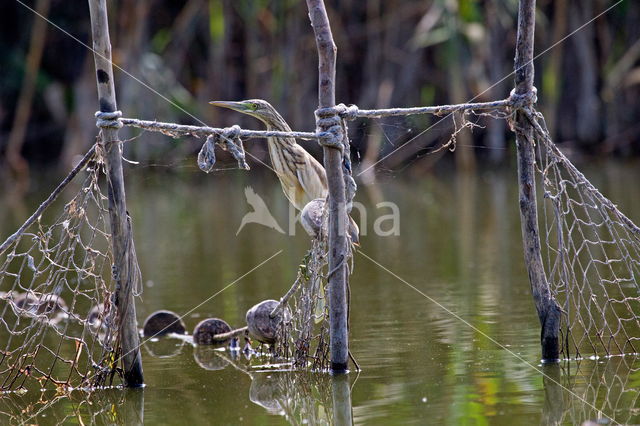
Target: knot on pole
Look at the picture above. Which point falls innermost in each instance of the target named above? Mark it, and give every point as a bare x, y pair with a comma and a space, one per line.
108, 120
348, 112
330, 127
525, 100
232, 132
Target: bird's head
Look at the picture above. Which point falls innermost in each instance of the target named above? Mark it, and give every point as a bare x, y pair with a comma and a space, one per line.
257, 108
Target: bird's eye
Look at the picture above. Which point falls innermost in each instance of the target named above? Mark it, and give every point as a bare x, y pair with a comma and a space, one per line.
254, 106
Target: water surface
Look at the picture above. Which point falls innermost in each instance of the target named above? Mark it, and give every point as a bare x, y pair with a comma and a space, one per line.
459, 246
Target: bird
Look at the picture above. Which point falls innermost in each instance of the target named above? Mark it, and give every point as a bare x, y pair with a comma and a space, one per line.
302, 177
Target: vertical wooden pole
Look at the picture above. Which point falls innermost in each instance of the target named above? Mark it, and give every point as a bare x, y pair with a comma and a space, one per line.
548, 310
125, 263
339, 337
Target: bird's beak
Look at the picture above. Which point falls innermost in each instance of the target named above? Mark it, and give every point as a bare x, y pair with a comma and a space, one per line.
236, 106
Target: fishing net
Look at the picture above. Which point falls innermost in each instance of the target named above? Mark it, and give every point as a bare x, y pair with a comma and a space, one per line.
592, 258
601, 393
303, 335
58, 322
301, 398
71, 408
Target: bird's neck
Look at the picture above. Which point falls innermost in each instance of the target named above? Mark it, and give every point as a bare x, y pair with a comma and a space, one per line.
280, 127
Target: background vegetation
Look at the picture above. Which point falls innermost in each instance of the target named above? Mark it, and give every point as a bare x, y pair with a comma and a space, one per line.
390, 53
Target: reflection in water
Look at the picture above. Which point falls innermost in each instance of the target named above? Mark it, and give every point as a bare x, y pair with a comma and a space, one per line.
460, 244
304, 398
209, 358
164, 348
300, 397
597, 391
107, 406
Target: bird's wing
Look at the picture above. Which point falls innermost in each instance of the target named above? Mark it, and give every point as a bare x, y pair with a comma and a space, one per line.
312, 178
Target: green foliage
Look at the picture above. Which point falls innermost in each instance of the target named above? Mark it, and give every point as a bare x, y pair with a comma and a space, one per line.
549, 83
216, 20
160, 40
469, 11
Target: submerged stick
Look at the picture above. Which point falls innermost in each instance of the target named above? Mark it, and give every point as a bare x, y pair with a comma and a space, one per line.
125, 262
549, 311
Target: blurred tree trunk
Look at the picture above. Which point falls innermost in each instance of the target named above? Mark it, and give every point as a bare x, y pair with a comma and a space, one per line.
80, 128
580, 106
589, 125
132, 44
552, 74
16, 162
234, 64
464, 153
496, 68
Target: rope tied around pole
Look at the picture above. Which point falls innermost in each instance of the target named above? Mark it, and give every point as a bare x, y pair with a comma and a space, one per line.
523, 101
110, 120
329, 127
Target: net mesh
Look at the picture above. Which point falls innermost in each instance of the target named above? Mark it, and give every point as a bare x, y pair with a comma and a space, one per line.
592, 258
297, 396
303, 335
600, 393
58, 326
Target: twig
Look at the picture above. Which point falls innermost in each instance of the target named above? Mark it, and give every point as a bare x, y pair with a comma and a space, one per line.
230, 334
284, 299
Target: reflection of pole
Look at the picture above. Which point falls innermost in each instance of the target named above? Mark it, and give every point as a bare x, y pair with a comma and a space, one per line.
341, 396
553, 408
133, 407
548, 310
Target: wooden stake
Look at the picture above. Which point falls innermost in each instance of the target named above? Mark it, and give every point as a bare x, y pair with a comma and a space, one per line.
338, 332
549, 311
125, 263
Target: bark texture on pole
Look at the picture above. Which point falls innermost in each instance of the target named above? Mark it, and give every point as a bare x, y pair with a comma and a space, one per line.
125, 263
338, 327
549, 311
